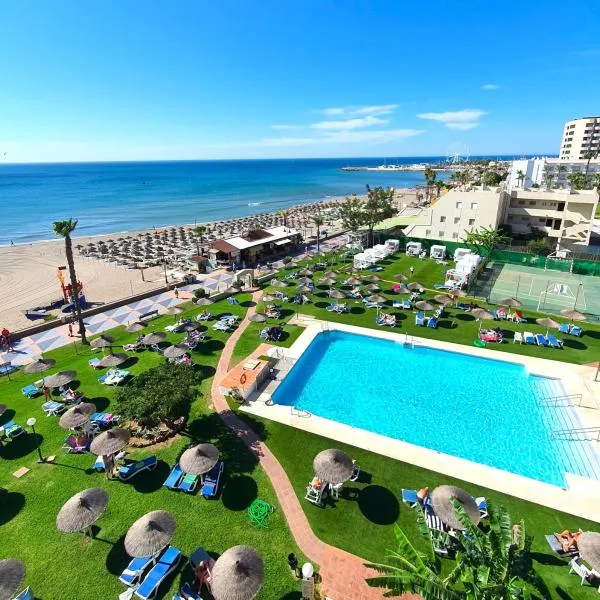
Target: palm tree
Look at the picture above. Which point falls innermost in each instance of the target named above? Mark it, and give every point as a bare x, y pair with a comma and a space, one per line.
486, 238
439, 185
318, 220
520, 178
488, 563
597, 181
561, 169
65, 229
284, 214
548, 175
199, 232
589, 155
577, 181
429, 176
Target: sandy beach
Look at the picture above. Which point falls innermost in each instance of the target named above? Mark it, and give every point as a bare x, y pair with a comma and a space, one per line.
28, 274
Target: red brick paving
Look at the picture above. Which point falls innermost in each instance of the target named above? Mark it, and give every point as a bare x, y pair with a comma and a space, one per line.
343, 574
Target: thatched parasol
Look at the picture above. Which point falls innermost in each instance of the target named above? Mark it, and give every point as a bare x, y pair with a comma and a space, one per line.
199, 459
135, 327
416, 287
304, 289
573, 314
113, 360
150, 534
588, 545
548, 323
424, 305
333, 466
39, 366
337, 294
82, 510
330, 275
238, 574
511, 302
103, 341
400, 277
59, 379
353, 281
442, 501
12, 573
191, 326
204, 302
278, 283
372, 278
77, 416
305, 281
443, 299
156, 337
377, 299
482, 314
327, 281
258, 318
109, 442
175, 351
305, 273
372, 287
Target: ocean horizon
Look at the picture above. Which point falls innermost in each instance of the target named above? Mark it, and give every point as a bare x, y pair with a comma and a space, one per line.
117, 197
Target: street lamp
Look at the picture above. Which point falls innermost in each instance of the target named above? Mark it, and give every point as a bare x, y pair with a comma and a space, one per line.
31, 422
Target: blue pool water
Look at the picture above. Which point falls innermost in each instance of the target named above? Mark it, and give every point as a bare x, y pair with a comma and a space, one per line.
486, 411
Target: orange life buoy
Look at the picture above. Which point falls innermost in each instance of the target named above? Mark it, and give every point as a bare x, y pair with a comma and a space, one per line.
243, 378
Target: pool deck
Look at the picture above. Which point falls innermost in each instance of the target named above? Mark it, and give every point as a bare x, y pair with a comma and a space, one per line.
581, 496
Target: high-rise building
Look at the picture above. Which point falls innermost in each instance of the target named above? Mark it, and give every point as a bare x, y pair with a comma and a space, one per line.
579, 136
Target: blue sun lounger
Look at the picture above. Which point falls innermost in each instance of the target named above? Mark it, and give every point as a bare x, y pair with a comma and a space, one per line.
406, 304
188, 483
420, 319
210, 487
529, 338
135, 569
166, 564
432, 322
576, 330
565, 328
409, 497
26, 594
186, 593
555, 342
541, 340
132, 469
30, 391
174, 478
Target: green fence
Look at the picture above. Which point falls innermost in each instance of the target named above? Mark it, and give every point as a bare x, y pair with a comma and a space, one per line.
579, 266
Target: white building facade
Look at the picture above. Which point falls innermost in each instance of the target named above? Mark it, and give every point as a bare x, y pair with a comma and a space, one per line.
548, 173
579, 137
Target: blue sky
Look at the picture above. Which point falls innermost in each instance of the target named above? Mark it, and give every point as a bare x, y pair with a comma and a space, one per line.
148, 79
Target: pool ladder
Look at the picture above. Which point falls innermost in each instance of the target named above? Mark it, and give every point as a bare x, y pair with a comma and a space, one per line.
567, 400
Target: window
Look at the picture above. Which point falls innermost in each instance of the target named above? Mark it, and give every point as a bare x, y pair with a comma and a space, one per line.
442, 219
549, 222
456, 220
474, 206
521, 202
441, 233
556, 224
427, 232
471, 221
561, 206
455, 236
459, 205
532, 203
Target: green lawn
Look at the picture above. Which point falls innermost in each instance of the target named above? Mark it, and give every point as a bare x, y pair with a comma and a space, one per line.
362, 520
68, 566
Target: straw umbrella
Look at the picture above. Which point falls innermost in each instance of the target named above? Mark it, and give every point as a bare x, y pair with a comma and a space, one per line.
305, 273
548, 323
304, 289
204, 302
60, 379
442, 499
416, 287
400, 277
372, 278
199, 459
305, 281
258, 318
135, 327
39, 366
175, 351
156, 337
103, 341
330, 275
424, 305
192, 326
278, 283
443, 299
327, 281
77, 416
353, 281
511, 303
372, 287
588, 545
150, 534
174, 310
573, 314
482, 315
82, 510
12, 573
377, 299
238, 574
109, 442
333, 466
113, 360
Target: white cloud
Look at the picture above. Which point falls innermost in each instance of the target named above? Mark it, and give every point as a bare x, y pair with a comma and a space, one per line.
490, 86
458, 119
284, 126
333, 112
349, 123
356, 111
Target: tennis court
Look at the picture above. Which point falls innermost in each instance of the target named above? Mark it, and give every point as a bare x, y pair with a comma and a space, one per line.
538, 289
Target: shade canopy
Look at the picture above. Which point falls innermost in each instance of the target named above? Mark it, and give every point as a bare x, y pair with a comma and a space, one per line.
304, 289
175, 351
77, 416
150, 534
443, 299
482, 314
258, 318
353, 281
330, 274
442, 501
191, 326
109, 442
333, 466
372, 287
416, 287
278, 283
548, 322
59, 379
372, 278
328, 281
199, 459
588, 545
153, 338
135, 327
305, 281
39, 366
238, 574
113, 360
337, 294
103, 341
12, 573
424, 305
305, 273
204, 301
572, 314
82, 510
400, 277
377, 299
511, 302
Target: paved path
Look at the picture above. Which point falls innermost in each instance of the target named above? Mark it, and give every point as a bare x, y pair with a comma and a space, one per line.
343, 574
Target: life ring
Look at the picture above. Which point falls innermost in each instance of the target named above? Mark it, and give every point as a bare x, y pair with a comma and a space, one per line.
243, 378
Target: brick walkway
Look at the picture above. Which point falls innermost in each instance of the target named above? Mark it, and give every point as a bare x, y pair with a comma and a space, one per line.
343, 574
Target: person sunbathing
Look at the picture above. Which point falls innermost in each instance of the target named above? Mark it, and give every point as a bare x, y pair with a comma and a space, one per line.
568, 540
316, 483
202, 574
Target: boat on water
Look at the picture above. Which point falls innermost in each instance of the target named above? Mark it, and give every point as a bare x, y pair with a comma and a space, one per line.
386, 167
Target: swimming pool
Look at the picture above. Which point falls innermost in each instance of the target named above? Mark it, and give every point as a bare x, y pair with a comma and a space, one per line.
488, 411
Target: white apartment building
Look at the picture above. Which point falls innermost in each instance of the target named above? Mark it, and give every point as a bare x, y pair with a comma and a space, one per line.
559, 214
579, 136
549, 173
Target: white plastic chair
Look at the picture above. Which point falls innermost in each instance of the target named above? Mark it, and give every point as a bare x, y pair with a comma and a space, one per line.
581, 570
518, 337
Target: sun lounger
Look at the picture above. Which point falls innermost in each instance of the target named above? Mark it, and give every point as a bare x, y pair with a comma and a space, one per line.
529, 338
53, 408
11, 430
432, 322
565, 328
541, 340
371, 305
517, 337
135, 347
205, 316
135, 569
166, 564
188, 483
30, 391
577, 567
133, 468
554, 342
94, 363
409, 497
186, 593
26, 594
482, 506
315, 495
104, 419
576, 330
210, 484
420, 319
557, 548
114, 377
77, 445
406, 304
174, 478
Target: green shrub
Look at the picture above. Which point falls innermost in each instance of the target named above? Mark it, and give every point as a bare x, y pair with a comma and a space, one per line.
199, 293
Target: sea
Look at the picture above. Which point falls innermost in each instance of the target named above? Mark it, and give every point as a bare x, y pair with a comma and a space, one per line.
118, 197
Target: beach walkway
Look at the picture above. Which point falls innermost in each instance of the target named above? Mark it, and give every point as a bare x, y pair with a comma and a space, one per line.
343, 574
